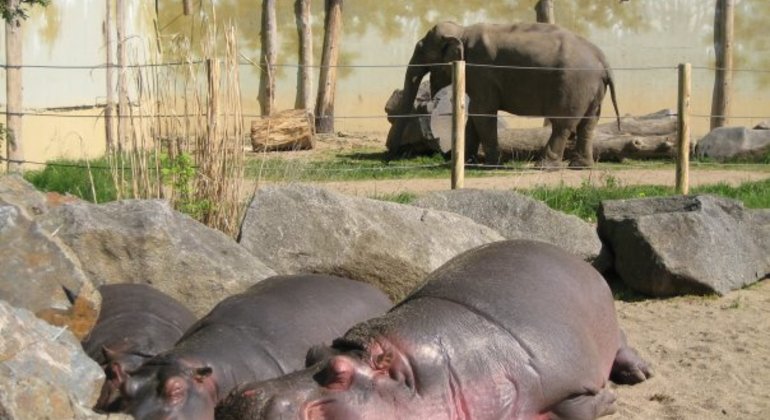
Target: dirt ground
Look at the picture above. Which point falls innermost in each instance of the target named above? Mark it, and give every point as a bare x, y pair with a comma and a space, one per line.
710, 355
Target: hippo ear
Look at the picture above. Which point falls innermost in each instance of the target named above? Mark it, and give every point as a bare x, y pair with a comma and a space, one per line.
339, 374
175, 390
110, 354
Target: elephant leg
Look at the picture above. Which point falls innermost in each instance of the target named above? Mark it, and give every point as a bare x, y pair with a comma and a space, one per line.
584, 148
561, 130
486, 129
471, 143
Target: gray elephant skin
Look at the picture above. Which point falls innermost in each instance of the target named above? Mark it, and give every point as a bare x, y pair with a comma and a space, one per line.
256, 335
135, 323
510, 330
551, 72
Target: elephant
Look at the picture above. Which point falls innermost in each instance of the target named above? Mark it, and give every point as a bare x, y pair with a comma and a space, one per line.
527, 69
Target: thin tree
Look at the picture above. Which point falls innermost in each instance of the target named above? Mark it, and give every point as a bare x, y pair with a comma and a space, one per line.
327, 81
14, 12
302, 15
724, 18
544, 11
109, 108
123, 104
187, 7
269, 37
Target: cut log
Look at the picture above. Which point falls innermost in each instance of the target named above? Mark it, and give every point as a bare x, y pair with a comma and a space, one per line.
291, 129
650, 136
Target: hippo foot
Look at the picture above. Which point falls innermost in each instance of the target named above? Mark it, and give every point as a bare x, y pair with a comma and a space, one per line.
629, 368
584, 406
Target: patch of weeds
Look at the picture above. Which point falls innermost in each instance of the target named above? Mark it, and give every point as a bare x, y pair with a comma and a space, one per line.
91, 181
400, 198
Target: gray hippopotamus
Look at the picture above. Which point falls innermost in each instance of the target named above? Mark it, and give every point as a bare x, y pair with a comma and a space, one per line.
510, 330
256, 335
135, 323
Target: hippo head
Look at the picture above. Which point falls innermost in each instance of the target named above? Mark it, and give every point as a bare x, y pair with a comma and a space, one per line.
117, 363
166, 388
355, 383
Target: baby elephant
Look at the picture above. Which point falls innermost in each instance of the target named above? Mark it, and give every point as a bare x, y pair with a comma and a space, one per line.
256, 335
135, 323
509, 330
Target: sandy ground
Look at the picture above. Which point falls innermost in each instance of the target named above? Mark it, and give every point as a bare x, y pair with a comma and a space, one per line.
711, 356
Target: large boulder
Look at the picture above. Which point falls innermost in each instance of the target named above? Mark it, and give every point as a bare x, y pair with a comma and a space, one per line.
146, 241
44, 373
725, 143
686, 244
516, 216
307, 229
38, 269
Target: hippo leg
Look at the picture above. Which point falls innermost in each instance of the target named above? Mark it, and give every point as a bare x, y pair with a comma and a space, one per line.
586, 406
629, 368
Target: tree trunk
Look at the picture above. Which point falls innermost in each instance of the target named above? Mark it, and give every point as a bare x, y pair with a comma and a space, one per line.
13, 90
724, 17
123, 105
544, 11
187, 7
304, 99
327, 83
269, 36
109, 124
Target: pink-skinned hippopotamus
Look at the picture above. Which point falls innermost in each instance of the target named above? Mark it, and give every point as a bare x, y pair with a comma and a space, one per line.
256, 335
510, 330
135, 323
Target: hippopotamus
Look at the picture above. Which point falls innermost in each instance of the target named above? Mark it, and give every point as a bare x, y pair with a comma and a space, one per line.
135, 323
510, 330
259, 334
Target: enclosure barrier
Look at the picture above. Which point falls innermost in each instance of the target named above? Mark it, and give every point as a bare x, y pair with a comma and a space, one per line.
460, 112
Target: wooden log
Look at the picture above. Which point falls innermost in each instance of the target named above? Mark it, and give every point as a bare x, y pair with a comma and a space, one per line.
291, 129
651, 136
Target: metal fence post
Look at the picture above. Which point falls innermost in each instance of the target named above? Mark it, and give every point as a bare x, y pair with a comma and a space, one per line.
458, 124
683, 130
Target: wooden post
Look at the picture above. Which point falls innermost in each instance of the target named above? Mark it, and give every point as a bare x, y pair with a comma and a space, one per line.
724, 18
683, 126
187, 7
544, 11
109, 108
327, 83
123, 111
458, 124
13, 89
304, 99
269, 38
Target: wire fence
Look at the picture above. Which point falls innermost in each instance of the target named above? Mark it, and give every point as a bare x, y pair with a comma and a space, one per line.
30, 112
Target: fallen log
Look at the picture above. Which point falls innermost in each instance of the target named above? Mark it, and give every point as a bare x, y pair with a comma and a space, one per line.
291, 129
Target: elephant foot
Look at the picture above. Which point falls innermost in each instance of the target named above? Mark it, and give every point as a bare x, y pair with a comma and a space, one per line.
581, 163
550, 165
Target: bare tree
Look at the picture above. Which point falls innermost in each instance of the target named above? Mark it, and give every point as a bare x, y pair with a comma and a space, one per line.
724, 18
544, 11
109, 124
187, 7
123, 104
304, 99
327, 81
269, 38
13, 89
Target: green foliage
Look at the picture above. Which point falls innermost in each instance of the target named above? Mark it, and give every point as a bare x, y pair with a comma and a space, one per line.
19, 12
400, 198
72, 177
179, 172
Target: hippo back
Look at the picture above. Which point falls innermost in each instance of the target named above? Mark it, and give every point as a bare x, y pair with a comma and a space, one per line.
136, 318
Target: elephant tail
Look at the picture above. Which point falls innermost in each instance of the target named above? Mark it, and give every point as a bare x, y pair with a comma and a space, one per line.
611, 84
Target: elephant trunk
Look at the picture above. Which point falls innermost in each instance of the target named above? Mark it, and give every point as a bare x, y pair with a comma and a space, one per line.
414, 75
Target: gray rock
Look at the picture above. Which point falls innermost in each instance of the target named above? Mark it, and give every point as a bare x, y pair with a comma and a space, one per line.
44, 373
725, 143
146, 241
516, 216
764, 125
686, 244
307, 229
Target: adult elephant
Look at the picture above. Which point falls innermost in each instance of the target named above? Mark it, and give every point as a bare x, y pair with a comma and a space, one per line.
528, 69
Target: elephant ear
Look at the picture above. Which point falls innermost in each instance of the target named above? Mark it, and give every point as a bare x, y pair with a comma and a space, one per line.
453, 49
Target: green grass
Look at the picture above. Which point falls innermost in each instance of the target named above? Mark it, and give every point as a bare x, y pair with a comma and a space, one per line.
584, 201
72, 177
